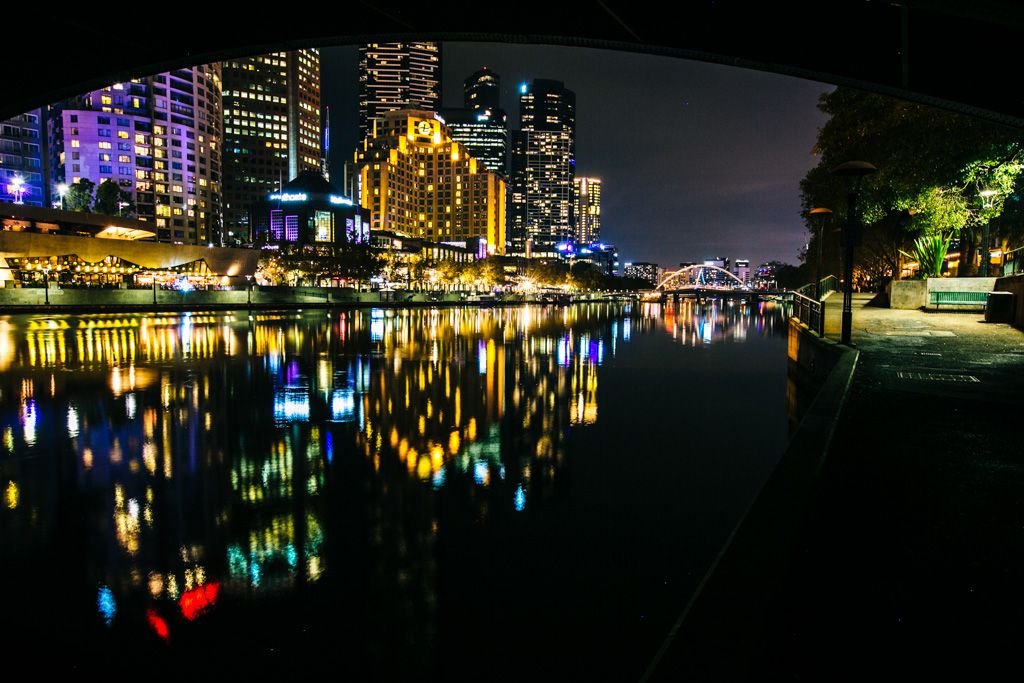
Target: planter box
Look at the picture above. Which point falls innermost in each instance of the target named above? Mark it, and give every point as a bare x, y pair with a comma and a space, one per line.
911, 294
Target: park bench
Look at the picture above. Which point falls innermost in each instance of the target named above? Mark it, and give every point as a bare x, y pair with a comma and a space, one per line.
954, 298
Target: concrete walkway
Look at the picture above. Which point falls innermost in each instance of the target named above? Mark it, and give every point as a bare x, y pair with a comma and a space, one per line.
909, 560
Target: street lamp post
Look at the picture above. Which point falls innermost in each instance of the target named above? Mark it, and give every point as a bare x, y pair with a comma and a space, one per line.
46, 285
17, 189
248, 290
62, 189
821, 214
988, 200
855, 170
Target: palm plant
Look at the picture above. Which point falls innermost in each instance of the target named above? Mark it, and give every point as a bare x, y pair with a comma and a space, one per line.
930, 252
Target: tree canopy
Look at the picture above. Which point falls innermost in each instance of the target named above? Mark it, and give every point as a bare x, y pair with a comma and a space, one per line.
112, 200
79, 196
938, 171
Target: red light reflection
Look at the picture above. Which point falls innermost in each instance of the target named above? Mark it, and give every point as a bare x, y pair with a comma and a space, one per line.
158, 623
196, 601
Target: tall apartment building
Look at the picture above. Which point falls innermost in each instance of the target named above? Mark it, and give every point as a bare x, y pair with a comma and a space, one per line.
397, 75
482, 125
159, 138
543, 166
417, 181
271, 129
23, 176
482, 90
587, 209
484, 133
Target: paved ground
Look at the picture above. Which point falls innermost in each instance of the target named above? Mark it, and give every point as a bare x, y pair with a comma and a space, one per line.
910, 560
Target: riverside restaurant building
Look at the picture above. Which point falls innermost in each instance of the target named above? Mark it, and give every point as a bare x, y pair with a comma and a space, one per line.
49, 247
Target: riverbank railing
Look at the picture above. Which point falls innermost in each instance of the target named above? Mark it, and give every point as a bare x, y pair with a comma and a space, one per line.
829, 283
810, 312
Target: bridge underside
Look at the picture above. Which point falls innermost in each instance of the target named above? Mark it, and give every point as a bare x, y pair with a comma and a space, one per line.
935, 51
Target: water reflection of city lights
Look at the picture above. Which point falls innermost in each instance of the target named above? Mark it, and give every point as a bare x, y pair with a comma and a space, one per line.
438, 478
291, 405
199, 600
11, 495
72, 421
519, 499
155, 582
413, 404
481, 473
106, 605
28, 421
158, 624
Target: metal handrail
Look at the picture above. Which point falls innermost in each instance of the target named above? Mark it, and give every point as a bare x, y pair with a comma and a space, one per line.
829, 283
809, 311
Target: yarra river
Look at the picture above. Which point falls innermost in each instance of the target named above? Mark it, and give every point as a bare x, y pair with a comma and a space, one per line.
466, 493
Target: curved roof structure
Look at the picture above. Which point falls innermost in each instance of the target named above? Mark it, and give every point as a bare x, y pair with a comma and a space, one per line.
943, 52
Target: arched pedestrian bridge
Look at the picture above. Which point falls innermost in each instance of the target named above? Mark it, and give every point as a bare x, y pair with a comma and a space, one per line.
701, 278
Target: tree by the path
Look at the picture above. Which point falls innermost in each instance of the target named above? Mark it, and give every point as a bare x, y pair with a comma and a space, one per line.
934, 167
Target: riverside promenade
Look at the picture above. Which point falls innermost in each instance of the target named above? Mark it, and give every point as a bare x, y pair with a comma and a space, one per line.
904, 556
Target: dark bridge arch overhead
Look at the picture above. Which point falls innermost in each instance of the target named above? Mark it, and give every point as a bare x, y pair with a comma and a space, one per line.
960, 55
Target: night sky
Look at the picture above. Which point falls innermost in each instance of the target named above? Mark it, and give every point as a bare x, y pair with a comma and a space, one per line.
697, 160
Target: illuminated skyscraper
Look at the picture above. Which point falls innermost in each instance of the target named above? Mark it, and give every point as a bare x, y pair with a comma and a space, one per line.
543, 166
271, 129
587, 209
22, 176
396, 75
482, 90
417, 181
482, 125
484, 133
159, 138
742, 270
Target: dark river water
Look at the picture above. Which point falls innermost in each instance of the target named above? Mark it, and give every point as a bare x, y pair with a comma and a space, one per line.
521, 493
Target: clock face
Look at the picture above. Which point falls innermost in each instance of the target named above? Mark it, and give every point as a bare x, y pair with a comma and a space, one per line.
424, 128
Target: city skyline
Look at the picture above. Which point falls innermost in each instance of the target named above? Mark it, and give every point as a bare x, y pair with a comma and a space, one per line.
720, 178
751, 134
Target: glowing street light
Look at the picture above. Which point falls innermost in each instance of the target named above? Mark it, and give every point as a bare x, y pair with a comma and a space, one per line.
821, 214
988, 200
62, 189
17, 189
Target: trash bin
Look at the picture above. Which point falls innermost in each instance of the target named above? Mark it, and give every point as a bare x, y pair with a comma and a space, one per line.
999, 307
